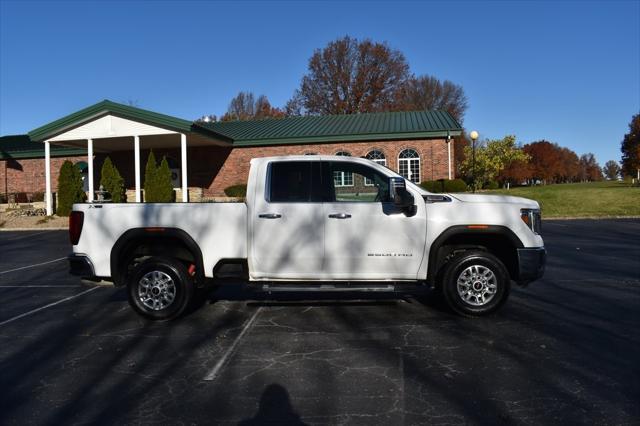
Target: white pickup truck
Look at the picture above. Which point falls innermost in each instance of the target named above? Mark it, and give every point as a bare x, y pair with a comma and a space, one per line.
319, 223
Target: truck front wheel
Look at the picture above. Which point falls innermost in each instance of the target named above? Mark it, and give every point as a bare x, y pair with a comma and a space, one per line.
160, 288
475, 283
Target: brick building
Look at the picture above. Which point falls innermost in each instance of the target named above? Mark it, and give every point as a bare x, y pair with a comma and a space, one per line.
206, 158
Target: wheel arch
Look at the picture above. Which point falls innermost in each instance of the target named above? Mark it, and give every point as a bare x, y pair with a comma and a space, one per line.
174, 242
498, 240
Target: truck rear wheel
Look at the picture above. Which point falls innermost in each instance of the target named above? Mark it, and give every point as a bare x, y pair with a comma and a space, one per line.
160, 288
475, 283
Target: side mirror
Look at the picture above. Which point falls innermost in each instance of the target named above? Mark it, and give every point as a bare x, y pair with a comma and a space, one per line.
398, 193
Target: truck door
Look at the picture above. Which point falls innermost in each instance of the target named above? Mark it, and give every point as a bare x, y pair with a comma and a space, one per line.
366, 237
288, 230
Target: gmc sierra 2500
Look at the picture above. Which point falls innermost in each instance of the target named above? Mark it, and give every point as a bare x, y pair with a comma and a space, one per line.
314, 222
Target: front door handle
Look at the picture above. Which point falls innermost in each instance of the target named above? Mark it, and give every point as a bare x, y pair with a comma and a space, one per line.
270, 216
340, 216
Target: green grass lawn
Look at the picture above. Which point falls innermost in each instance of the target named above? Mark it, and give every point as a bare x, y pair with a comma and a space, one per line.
595, 199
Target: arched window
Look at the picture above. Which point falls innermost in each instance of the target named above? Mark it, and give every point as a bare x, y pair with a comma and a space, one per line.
377, 157
409, 165
342, 178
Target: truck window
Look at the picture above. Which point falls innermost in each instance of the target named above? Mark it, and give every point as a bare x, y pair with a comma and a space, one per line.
289, 181
365, 184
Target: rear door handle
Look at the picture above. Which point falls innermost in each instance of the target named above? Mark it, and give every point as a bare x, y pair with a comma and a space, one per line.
340, 216
270, 216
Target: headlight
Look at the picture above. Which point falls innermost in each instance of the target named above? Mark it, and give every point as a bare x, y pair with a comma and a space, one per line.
533, 219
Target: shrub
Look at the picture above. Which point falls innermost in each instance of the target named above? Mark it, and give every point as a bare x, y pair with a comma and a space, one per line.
492, 184
150, 193
431, 185
70, 188
112, 181
165, 192
453, 185
157, 181
236, 191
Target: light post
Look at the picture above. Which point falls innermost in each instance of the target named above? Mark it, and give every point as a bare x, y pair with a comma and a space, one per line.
474, 137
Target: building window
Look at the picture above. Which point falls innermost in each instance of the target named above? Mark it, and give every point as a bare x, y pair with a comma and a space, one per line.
409, 165
377, 157
342, 178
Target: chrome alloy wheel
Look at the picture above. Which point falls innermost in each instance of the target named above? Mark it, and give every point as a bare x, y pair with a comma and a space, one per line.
477, 285
156, 290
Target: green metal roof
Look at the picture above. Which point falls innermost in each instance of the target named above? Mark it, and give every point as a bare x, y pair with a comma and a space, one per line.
107, 107
292, 130
21, 147
332, 128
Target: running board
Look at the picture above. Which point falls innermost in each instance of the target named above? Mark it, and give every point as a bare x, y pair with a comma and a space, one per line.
269, 288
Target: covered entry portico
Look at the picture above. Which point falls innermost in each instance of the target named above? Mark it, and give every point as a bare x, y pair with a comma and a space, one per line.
110, 127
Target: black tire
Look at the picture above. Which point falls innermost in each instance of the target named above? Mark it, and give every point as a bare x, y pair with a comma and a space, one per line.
160, 288
484, 283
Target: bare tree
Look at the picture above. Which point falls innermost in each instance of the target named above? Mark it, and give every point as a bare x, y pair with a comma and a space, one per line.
244, 106
589, 168
611, 170
427, 92
295, 105
350, 76
241, 107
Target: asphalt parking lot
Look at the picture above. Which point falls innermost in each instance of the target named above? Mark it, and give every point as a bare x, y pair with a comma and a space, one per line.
564, 350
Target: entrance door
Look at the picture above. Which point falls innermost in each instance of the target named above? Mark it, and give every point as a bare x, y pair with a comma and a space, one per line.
366, 237
288, 229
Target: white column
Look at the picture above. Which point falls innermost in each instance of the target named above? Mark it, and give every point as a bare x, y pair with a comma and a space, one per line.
183, 158
90, 157
47, 177
136, 153
449, 154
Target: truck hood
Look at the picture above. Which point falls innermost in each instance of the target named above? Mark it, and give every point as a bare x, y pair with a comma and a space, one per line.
502, 199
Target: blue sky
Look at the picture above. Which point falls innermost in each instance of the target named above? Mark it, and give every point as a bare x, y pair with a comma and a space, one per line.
568, 72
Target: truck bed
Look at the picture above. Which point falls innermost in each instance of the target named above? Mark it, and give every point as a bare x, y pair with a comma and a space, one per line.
219, 229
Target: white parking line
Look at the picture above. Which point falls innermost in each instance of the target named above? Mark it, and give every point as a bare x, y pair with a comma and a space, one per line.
32, 266
41, 286
214, 372
46, 306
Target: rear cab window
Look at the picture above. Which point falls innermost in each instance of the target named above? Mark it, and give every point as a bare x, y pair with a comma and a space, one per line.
324, 181
294, 182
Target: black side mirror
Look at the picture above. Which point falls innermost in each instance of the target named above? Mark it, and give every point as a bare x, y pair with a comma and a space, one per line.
398, 193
